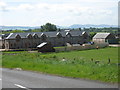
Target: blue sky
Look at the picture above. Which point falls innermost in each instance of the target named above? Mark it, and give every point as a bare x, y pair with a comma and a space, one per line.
59, 12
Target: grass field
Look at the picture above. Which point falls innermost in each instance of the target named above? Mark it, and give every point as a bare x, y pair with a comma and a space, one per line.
77, 64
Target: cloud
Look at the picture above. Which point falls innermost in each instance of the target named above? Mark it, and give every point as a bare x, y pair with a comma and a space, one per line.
3, 6
73, 6
26, 7
65, 12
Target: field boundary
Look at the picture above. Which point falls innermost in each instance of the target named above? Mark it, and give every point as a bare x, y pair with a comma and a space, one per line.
81, 47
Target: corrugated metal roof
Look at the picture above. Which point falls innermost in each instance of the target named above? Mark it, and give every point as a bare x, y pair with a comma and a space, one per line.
101, 35
42, 44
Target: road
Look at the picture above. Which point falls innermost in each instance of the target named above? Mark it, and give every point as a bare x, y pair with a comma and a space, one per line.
27, 80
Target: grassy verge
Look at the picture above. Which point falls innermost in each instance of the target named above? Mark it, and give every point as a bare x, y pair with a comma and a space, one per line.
77, 64
60, 47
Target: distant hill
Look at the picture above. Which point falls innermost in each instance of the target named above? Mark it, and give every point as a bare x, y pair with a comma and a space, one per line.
91, 25
17, 27
62, 27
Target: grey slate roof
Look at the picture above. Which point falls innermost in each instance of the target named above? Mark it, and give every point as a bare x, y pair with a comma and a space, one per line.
48, 34
2, 36
76, 33
101, 35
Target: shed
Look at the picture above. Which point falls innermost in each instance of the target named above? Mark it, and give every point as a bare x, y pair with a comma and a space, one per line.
45, 47
105, 38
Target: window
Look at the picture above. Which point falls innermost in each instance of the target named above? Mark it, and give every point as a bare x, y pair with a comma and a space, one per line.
3, 46
26, 45
35, 44
14, 44
43, 37
18, 38
11, 45
7, 45
29, 44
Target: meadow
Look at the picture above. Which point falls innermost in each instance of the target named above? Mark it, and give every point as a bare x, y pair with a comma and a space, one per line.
101, 64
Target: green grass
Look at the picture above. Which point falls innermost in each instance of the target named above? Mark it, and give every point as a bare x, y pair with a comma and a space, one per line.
78, 64
100, 54
13, 52
60, 47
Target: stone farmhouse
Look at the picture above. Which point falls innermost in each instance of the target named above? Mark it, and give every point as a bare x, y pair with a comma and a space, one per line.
33, 39
105, 38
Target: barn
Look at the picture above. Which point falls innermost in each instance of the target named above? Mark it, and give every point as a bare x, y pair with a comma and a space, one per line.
105, 38
33, 39
45, 47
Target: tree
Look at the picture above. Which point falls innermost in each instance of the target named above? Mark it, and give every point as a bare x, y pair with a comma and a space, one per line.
48, 27
58, 29
92, 34
79, 29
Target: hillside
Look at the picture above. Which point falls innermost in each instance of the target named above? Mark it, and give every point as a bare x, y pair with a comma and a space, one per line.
62, 27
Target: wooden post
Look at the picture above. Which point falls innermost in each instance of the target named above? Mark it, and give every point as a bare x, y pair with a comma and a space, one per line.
92, 59
109, 61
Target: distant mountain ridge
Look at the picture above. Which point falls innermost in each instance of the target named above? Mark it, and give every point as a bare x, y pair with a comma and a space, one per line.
91, 25
62, 27
17, 27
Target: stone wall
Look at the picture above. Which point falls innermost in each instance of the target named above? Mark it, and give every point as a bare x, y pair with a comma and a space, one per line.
98, 40
2, 44
81, 47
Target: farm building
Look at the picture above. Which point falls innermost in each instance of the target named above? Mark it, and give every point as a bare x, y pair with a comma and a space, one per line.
105, 38
33, 39
45, 47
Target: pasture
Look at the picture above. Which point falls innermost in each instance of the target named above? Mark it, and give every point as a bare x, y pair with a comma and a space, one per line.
101, 64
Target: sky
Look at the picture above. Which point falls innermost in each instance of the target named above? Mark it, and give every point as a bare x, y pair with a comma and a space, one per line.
58, 12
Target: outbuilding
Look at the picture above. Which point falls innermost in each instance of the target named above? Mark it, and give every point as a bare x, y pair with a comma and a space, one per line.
45, 47
105, 38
